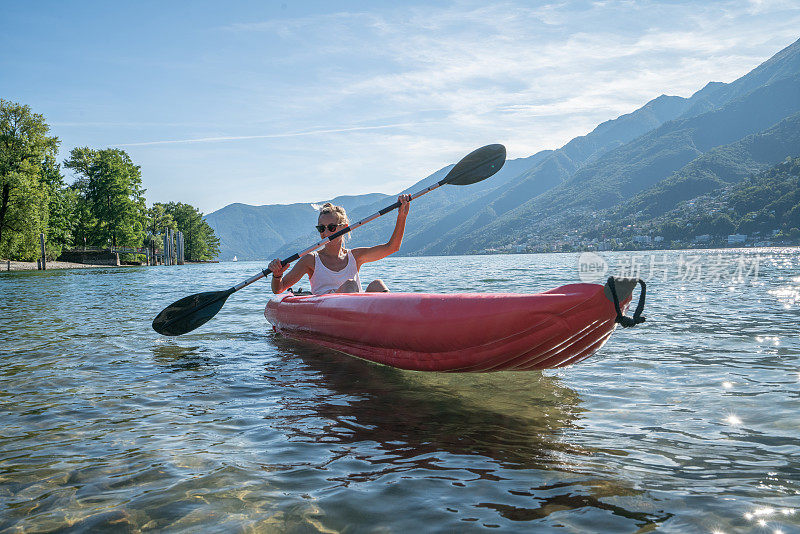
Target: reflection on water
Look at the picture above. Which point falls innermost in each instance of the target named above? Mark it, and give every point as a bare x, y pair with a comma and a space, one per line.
421, 421
181, 358
424, 412
687, 424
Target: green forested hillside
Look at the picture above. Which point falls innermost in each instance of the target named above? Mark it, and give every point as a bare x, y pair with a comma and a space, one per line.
765, 205
716, 169
654, 156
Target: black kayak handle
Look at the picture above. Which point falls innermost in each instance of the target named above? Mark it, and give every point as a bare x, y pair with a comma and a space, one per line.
637, 315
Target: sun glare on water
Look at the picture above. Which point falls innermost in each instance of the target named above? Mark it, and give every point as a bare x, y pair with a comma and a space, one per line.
733, 420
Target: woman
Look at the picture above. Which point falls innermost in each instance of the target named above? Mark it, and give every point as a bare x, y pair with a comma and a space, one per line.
334, 269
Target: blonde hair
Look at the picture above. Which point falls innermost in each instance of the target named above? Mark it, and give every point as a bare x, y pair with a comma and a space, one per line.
336, 210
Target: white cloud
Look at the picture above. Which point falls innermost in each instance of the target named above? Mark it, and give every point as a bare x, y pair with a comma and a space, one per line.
264, 136
448, 70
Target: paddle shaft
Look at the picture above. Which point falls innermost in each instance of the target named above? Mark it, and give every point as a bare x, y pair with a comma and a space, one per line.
333, 236
195, 310
221, 296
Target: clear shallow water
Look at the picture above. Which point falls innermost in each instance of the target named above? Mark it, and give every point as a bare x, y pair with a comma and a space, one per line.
688, 423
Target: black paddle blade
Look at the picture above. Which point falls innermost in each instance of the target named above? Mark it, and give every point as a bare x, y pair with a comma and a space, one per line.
477, 165
190, 312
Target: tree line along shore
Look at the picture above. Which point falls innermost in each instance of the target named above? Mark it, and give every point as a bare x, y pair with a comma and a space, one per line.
104, 206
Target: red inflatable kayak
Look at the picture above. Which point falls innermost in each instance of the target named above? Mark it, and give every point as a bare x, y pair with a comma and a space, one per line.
464, 332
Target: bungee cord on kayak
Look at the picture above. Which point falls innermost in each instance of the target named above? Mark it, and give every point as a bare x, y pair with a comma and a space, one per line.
637, 315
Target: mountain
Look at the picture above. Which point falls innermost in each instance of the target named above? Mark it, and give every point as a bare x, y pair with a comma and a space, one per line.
641, 164
440, 214
250, 232
623, 172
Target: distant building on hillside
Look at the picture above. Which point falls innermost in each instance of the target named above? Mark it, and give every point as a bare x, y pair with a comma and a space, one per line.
705, 238
642, 239
734, 239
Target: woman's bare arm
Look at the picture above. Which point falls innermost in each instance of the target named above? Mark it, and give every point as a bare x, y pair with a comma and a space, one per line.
285, 280
367, 254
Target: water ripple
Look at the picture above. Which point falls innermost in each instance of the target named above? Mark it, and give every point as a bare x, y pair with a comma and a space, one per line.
685, 424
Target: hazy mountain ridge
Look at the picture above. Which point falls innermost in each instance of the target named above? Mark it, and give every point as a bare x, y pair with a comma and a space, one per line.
248, 231
687, 146
461, 209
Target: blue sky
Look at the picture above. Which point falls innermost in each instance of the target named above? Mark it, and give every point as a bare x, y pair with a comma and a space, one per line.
279, 102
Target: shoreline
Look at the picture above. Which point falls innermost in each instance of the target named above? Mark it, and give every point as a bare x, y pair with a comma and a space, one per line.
32, 266
59, 265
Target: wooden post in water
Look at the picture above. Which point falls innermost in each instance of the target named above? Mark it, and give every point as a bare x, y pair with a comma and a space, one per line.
180, 248
44, 265
166, 248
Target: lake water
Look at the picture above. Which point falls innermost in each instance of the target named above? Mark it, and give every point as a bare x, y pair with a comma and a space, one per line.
687, 423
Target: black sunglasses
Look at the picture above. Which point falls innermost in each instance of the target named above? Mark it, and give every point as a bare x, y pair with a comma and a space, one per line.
331, 227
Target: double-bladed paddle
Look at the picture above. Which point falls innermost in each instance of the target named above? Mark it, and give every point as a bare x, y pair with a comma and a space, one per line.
190, 312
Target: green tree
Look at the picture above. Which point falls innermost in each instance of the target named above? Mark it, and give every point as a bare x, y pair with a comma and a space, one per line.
62, 204
158, 221
111, 207
200, 242
24, 194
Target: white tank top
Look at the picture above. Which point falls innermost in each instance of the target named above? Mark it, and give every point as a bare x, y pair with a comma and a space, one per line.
324, 280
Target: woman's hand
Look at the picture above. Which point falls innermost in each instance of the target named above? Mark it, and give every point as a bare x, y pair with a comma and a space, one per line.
405, 205
277, 268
